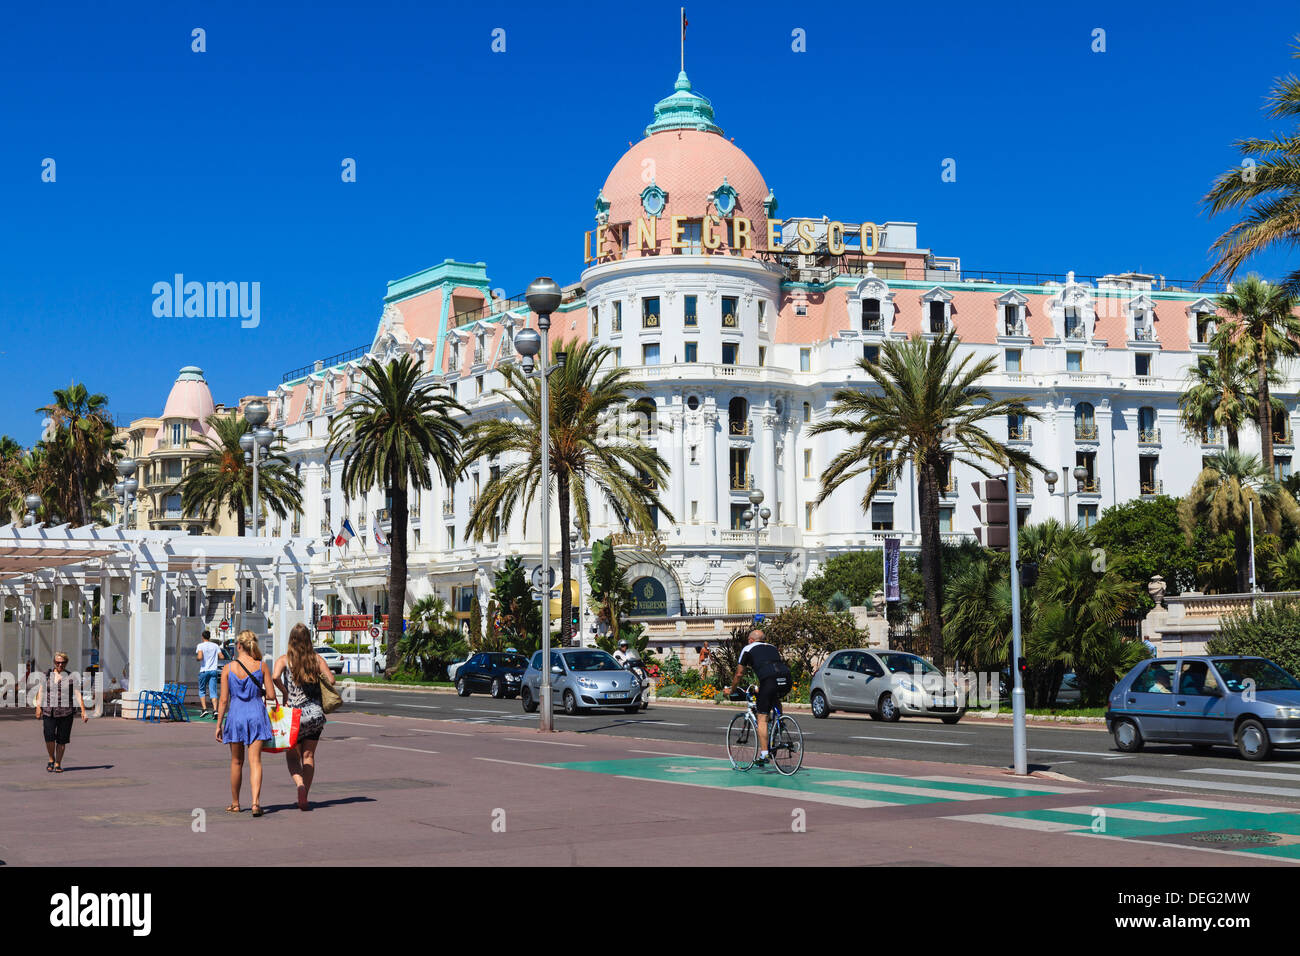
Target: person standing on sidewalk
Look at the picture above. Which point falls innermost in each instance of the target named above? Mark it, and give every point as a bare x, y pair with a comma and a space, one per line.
56, 697
208, 654
242, 721
298, 675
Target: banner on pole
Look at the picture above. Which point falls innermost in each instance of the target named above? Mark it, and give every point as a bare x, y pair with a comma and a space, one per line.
892, 592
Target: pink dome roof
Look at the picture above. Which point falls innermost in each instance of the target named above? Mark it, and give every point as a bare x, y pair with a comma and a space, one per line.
688, 165
190, 399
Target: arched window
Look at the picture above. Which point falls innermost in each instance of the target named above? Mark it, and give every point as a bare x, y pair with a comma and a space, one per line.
871, 318
1085, 422
738, 416
1147, 431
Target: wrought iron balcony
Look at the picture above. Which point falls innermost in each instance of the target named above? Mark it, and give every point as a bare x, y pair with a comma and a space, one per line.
1155, 487
1144, 333
1085, 431
1211, 436
873, 323
1016, 328
1075, 330
729, 321
650, 321
745, 427
1283, 436
1148, 436
1090, 486
1019, 433
449, 507
739, 482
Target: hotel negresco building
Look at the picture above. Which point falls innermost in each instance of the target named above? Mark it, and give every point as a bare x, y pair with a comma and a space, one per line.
741, 321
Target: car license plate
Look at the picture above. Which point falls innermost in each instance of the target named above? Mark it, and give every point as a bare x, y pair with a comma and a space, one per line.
616, 696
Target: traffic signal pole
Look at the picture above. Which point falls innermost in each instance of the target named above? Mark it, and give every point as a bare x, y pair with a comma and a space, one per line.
1018, 688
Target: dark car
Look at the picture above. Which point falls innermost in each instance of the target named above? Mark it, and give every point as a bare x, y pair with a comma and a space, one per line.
491, 672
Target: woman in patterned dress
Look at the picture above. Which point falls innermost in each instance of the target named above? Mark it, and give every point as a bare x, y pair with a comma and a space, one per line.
298, 674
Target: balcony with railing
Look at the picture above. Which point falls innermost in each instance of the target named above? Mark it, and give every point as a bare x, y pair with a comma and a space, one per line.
650, 320
729, 321
1283, 435
384, 519
1085, 431
740, 482
873, 323
1153, 487
1144, 333
448, 507
1015, 328
1075, 329
1211, 436
473, 502
1148, 436
1020, 433
1090, 485
477, 357
743, 428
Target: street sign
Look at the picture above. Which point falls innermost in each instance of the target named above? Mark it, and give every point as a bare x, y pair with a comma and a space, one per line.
537, 578
225, 625
374, 633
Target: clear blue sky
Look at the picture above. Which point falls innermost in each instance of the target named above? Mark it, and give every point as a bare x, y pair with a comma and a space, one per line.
225, 165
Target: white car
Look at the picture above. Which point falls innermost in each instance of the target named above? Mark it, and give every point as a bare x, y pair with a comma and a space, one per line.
453, 668
333, 659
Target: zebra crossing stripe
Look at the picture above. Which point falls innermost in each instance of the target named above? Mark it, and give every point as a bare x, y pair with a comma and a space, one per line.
1210, 785
1016, 823
1118, 813
910, 791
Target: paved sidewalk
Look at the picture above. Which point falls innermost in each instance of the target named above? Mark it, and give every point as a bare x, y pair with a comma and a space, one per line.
407, 791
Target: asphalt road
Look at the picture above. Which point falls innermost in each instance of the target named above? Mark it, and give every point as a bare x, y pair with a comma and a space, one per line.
1083, 753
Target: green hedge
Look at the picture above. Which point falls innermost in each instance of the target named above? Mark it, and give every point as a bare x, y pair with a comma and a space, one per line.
1272, 631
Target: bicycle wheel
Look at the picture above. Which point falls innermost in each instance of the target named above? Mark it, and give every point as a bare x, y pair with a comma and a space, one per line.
742, 743
786, 745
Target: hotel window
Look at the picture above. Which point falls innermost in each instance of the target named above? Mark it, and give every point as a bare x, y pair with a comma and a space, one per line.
692, 311
1085, 422
762, 313
416, 537
805, 360
178, 434
618, 357
762, 355
807, 412
595, 321
807, 516
1281, 468
451, 538
618, 317
1087, 516
739, 469
1074, 361
1148, 482
882, 516
1013, 360
730, 312
1073, 324
650, 312
728, 353
692, 351
172, 469
1142, 364
1148, 433
945, 519
871, 353
692, 232
738, 518
1022, 517
650, 354
1012, 320
1205, 326
807, 463
871, 318
938, 320
1017, 430
478, 385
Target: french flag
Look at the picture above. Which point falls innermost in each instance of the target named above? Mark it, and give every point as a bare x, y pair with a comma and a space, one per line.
346, 535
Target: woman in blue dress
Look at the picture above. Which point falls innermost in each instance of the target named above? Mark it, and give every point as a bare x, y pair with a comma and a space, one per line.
242, 722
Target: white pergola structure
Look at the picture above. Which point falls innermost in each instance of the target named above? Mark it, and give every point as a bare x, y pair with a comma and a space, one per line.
154, 606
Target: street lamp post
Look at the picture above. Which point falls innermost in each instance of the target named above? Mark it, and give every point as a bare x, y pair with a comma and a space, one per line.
543, 297
126, 487
1080, 474
256, 442
755, 513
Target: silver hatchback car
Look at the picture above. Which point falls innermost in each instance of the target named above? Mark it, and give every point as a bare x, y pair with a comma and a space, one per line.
1246, 702
886, 685
581, 678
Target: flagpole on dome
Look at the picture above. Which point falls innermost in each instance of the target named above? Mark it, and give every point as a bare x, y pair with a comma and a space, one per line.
683, 39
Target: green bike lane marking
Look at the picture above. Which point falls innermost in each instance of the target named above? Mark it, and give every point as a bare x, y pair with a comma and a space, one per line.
1175, 824
847, 786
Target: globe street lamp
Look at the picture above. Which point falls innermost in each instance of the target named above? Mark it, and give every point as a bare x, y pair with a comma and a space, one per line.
256, 443
33, 503
1080, 474
127, 486
543, 297
754, 513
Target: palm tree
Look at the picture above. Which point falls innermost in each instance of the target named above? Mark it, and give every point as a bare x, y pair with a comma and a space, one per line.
928, 408
585, 401
1266, 186
80, 444
1222, 498
23, 472
1219, 392
389, 435
221, 482
1265, 332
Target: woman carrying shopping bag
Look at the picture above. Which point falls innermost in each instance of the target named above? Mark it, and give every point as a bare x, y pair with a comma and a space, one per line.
246, 692
300, 675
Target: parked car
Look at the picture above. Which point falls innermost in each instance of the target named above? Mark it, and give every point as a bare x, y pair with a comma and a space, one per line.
494, 672
454, 669
1247, 702
582, 678
333, 659
886, 685
1069, 692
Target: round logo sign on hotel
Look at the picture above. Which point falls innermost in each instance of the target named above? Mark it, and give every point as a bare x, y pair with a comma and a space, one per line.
649, 598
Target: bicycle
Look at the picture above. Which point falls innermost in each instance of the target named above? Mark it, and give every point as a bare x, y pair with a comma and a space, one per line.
784, 738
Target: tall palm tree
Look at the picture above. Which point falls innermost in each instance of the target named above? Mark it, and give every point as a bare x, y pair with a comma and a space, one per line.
222, 483
1266, 332
1266, 188
24, 472
1219, 393
927, 407
1222, 498
389, 435
585, 400
79, 440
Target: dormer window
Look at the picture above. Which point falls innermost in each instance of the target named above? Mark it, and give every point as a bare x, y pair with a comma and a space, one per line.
872, 320
1143, 316
938, 310
724, 198
1073, 324
1205, 326
1012, 309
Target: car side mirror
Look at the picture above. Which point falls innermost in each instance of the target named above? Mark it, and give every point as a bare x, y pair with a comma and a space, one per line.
557, 669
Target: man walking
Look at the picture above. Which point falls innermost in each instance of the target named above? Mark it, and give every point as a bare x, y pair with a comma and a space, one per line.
208, 654
55, 697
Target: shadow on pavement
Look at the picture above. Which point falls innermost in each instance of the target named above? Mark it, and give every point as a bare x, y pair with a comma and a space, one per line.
317, 804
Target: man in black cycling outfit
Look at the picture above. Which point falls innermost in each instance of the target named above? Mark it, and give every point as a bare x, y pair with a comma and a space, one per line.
768, 666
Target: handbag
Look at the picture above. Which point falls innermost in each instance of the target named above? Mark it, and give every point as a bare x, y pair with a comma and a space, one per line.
284, 727
330, 700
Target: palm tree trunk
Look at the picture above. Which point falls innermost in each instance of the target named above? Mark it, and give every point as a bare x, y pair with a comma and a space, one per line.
1232, 439
930, 556
1265, 416
566, 576
396, 573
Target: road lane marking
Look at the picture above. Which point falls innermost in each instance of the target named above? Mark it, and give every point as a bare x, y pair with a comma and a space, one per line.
553, 743
660, 753
984, 782
1262, 774
1016, 823
519, 763
480, 710
352, 723
1207, 804
418, 706
913, 740
1144, 816
412, 749
1181, 846
449, 733
1211, 785
1076, 753
911, 791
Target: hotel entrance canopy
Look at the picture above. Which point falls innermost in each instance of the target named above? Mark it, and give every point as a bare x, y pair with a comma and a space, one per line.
142, 577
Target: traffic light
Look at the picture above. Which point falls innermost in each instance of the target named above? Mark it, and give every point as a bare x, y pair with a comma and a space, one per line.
1023, 666
1028, 573
994, 529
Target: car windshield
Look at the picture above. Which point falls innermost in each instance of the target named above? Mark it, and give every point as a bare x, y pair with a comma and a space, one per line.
507, 660
906, 663
1265, 674
591, 661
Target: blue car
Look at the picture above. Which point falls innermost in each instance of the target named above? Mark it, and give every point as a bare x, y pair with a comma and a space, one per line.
1206, 701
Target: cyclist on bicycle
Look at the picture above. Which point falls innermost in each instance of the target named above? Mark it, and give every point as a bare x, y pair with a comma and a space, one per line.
773, 679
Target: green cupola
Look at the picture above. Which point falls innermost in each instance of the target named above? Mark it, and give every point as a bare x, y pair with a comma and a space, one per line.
683, 109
